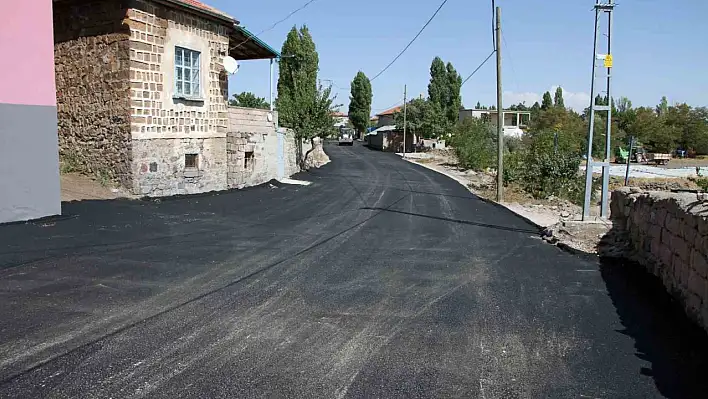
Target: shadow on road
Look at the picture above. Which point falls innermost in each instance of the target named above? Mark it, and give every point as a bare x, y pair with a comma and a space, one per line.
459, 221
676, 348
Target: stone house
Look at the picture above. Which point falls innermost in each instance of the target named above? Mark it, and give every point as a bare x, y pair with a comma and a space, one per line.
142, 95
388, 117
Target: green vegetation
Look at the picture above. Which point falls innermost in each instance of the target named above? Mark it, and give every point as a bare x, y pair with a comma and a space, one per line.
435, 116
249, 100
303, 105
474, 142
702, 182
360, 102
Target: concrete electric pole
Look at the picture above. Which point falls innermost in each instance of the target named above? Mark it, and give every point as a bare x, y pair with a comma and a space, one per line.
500, 113
600, 9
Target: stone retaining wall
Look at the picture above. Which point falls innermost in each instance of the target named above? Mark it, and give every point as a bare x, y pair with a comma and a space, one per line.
668, 234
91, 53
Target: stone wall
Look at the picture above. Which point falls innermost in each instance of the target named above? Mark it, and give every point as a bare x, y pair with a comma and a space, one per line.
250, 132
91, 51
165, 127
162, 169
668, 234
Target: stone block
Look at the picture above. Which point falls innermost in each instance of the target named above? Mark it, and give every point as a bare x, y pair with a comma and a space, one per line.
702, 224
699, 263
679, 247
666, 237
693, 304
656, 247
654, 231
666, 255
673, 224
696, 283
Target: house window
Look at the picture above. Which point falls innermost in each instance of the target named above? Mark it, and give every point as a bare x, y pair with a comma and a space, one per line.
186, 73
191, 161
249, 161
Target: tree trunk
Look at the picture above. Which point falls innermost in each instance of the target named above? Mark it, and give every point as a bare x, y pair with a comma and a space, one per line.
304, 158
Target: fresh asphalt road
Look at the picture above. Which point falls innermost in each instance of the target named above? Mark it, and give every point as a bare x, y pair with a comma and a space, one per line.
381, 279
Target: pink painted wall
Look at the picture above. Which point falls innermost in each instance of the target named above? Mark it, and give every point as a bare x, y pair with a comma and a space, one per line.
27, 49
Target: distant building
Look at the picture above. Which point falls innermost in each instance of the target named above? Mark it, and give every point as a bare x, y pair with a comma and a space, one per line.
340, 119
515, 122
388, 117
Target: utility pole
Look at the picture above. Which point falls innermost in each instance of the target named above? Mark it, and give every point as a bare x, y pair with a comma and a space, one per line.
600, 9
500, 114
629, 159
405, 106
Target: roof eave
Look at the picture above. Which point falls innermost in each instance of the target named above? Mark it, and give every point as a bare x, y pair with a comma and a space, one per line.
271, 52
222, 17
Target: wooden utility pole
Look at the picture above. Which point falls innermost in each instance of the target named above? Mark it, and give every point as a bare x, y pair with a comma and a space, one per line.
500, 114
405, 93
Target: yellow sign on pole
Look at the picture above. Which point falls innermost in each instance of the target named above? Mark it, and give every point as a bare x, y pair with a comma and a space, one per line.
608, 61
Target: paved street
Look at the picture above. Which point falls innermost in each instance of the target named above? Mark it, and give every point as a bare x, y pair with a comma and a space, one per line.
382, 279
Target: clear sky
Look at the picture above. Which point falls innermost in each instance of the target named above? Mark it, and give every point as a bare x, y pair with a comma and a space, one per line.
659, 47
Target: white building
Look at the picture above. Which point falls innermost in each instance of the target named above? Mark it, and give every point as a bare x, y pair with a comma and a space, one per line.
340, 119
515, 122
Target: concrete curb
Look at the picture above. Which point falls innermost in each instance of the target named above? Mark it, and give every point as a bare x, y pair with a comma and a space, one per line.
543, 231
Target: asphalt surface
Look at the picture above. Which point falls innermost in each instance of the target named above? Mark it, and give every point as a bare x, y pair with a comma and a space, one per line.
381, 279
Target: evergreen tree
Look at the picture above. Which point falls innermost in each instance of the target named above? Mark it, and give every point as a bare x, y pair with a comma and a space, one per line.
558, 98
547, 101
360, 102
663, 106
535, 110
303, 106
453, 100
437, 87
478, 106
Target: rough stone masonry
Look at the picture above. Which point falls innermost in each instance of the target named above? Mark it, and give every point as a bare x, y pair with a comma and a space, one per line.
668, 234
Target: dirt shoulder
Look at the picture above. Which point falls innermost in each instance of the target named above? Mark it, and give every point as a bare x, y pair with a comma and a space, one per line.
78, 187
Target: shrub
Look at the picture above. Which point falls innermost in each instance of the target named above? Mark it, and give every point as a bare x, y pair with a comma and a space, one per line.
544, 170
475, 144
514, 169
702, 182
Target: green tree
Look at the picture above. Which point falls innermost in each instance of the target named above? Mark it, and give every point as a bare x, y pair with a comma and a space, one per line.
558, 98
663, 106
303, 105
474, 142
453, 99
437, 87
547, 101
625, 115
478, 106
444, 93
535, 110
249, 100
360, 102
650, 129
691, 125
423, 118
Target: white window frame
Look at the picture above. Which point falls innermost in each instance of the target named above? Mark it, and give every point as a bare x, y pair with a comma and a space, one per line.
187, 73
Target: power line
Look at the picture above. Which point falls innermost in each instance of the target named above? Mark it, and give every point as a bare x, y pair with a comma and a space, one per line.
275, 24
389, 107
480, 66
411, 42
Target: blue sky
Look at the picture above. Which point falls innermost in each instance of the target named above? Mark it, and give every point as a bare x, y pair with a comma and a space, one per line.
659, 47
